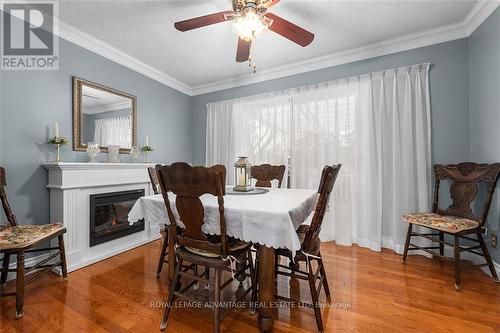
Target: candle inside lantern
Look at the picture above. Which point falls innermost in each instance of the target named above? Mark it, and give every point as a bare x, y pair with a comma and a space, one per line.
147, 141
56, 129
242, 181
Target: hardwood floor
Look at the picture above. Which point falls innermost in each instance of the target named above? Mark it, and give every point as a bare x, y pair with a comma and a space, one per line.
373, 292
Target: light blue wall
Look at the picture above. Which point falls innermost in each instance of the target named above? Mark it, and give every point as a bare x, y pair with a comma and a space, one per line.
484, 83
448, 85
33, 100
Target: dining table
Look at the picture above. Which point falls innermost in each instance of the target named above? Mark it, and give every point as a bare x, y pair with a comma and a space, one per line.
269, 218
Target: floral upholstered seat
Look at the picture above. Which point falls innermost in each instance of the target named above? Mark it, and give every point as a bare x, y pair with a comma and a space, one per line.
21, 236
447, 223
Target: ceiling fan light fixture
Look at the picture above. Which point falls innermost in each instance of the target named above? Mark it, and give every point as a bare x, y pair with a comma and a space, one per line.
250, 24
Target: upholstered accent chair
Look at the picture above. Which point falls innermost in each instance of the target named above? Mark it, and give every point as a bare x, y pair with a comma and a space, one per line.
192, 245
459, 221
266, 173
17, 240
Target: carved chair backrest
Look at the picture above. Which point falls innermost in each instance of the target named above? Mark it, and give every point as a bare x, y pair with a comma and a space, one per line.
465, 178
154, 180
265, 173
11, 218
328, 178
189, 184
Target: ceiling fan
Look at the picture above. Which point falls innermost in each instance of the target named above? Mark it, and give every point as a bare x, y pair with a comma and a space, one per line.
250, 19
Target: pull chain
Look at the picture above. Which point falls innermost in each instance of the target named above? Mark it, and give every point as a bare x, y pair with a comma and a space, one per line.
252, 63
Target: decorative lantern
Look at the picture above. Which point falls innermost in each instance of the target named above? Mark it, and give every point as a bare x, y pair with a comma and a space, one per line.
242, 170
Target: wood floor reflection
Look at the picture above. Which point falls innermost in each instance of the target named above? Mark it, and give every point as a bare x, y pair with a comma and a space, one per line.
373, 292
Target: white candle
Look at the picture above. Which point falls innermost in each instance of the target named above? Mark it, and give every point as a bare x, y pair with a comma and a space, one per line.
242, 179
147, 141
56, 126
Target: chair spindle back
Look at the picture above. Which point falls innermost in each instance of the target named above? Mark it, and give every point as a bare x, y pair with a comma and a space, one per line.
265, 173
11, 218
189, 184
328, 178
465, 178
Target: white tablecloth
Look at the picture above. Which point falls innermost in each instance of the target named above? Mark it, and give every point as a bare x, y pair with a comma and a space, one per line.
268, 219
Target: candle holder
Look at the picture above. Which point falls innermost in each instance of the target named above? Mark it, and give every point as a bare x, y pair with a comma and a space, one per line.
242, 173
58, 141
114, 153
145, 149
93, 151
135, 153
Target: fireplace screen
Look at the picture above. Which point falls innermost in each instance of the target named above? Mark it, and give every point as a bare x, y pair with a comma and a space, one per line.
109, 215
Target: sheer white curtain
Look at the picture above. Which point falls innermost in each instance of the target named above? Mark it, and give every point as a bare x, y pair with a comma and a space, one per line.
377, 126
256, 127
113, 131
220, 148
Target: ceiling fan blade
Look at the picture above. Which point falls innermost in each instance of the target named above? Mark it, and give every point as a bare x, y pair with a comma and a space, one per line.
269, 3
243, 51
289, 30
205, 20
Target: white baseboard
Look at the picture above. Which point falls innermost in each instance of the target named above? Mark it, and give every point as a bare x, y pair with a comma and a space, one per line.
474, 258
57, 270
27, 263
398, 246
107, 254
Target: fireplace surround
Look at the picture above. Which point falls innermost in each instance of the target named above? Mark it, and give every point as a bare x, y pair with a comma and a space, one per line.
72, 186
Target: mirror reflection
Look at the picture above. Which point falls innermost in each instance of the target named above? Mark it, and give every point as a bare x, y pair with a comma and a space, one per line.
106, 118
103, 117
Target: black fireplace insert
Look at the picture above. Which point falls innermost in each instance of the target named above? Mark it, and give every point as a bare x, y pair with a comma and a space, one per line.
109, 215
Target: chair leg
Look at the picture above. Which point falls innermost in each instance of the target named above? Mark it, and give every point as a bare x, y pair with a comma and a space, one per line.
457, 262
252, 281
255, 279
441, 244
207, 276
62, 254
325, 280
407, 243
170, 298
239, 266
20, 285
164, 246
5, 266
487, 256
315, 298
218, 272
195, 272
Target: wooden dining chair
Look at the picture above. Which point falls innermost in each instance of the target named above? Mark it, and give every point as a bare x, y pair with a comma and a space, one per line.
266, 173
155, 184
218, 252
17, 240
458, 220
310, 249
153, 178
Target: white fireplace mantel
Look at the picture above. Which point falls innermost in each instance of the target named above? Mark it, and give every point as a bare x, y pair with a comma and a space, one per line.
71, 184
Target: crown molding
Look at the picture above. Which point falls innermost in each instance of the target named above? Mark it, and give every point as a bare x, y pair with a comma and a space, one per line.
394, 45
478, 14
446, 33
107, 107
450, 32
96, 45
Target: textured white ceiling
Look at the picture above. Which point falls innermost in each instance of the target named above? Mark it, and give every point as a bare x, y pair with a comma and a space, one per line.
144, 30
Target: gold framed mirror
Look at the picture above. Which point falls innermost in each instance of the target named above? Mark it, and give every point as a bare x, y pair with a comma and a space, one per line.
103, 116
